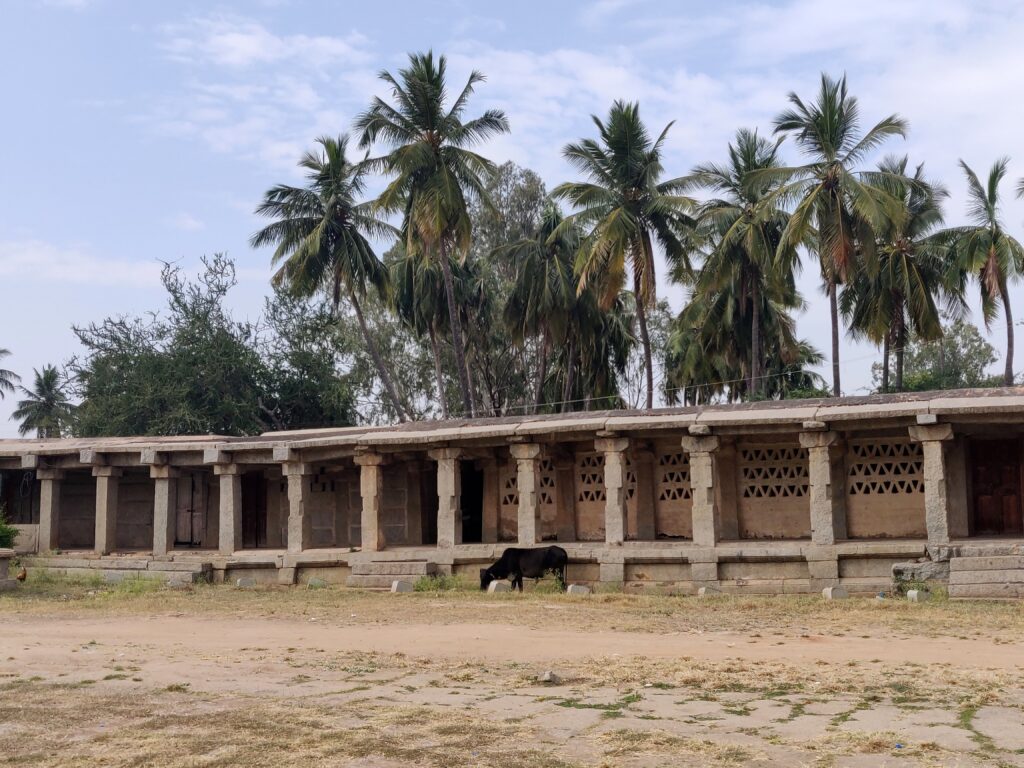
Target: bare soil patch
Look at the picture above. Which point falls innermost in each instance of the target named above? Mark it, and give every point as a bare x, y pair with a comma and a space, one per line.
215, 676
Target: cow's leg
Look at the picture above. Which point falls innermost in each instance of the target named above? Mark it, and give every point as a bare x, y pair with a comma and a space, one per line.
561, 578
517, 581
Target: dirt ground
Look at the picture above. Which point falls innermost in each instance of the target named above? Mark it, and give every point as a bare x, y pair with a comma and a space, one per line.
137, 675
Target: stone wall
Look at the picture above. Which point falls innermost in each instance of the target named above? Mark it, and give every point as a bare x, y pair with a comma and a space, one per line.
885, 489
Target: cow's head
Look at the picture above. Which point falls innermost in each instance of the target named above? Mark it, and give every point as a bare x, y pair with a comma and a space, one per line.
485, 577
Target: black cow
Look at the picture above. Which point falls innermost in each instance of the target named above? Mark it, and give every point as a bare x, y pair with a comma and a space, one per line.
532, 563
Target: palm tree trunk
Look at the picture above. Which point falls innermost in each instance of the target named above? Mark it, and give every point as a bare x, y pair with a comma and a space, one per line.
435, 348
455, 319
1008, 373
755, 344
885, 360
570, 372
645, 340
833, 305
901, 341
542, 373
378, 361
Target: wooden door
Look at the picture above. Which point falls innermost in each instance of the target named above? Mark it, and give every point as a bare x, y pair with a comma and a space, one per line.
995, 475
190, 520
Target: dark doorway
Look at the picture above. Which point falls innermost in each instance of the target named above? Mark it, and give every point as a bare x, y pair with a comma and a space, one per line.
254, 510
472, 502
190, 521
995, 479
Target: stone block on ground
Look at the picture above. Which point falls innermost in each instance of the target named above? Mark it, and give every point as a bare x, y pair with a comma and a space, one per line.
401, 586
498, 586
835, 593
708, 591
316, 583
549, 677
577, 589
245, 582
917, 595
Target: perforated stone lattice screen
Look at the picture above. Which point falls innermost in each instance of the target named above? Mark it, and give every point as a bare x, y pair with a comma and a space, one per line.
773, 472
590, 477
674, 477
892, 467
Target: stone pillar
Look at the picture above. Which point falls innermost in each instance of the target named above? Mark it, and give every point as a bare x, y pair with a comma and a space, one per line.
701, 449
165, 501
643, 467
614, 450
449, 497
107, 479
229, 516
826, 486
934, 439
527, 456
565, 499
492, 495
49, 508
300, 523
371, 488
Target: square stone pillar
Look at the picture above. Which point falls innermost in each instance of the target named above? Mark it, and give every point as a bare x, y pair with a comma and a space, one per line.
492, 494
229, 516
701, 450
49, 508
449, 497
643, 526
826, 486
565, 498
934, 438
300, 522
371, 488
614, 450
527, 456
107, 482
165, 501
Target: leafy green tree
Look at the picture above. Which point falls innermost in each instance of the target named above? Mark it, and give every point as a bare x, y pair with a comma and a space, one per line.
8, 379
46, 409
193, 371
958, 359
836, 204
544, 293
985, 249
622, 208
321, 236
435, 176
744, 227
899, 293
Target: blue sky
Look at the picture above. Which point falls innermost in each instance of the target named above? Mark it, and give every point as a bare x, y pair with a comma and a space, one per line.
135, 133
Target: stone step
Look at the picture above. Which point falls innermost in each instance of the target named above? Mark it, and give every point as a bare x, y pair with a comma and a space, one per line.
394, 568
986, 577
1000, 591
991, 563
372, 582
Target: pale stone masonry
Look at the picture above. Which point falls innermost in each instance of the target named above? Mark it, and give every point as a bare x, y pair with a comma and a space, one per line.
765, 497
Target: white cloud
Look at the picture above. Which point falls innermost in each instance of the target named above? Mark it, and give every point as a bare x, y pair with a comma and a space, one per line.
28, 261
186, 222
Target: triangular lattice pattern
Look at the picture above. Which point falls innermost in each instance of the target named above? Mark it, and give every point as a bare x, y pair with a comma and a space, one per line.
590, 477
773, 472
886, 467
674, 476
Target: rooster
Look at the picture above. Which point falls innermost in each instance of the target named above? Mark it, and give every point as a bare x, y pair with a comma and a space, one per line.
22, 574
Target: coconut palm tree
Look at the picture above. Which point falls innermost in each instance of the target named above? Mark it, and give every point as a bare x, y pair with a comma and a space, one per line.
543, 293
8, 379
832, 196
435, 173
623, 207
899, 292
986, 250
46, 408
321, 232
744, 227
